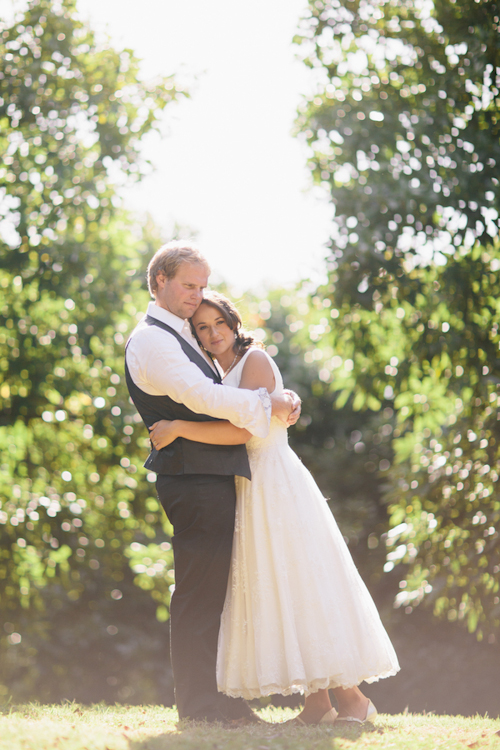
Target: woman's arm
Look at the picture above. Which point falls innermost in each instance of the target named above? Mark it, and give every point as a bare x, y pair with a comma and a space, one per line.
257, 373
163, 433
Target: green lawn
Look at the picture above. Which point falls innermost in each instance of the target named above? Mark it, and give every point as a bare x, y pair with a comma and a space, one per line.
72, 727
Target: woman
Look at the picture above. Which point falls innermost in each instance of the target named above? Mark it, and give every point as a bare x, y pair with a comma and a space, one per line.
297, 616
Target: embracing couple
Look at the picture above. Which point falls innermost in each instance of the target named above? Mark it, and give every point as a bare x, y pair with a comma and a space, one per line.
267, 598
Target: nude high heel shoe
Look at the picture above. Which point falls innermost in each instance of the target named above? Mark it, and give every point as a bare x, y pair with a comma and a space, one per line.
371, 713
328, 718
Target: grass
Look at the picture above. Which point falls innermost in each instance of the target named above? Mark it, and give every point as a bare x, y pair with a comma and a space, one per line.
73, 727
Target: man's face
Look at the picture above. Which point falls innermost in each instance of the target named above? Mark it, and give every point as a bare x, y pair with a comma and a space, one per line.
182, 294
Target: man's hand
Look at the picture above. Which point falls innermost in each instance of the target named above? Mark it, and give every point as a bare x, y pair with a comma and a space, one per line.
286, 407
294, 415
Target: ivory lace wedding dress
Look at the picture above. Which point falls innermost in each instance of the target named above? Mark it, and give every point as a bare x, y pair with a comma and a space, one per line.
297, 616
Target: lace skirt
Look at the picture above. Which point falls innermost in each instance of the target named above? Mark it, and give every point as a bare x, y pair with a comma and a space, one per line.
297, 616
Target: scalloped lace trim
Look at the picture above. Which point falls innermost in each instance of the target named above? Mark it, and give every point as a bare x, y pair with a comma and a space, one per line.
266, 402
298, 687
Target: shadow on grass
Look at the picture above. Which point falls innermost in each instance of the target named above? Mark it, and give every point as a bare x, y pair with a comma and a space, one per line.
199, 735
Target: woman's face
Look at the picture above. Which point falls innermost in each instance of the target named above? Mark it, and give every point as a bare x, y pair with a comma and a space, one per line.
212, 330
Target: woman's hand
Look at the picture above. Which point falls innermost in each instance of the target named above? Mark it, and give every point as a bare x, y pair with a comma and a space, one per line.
163, 433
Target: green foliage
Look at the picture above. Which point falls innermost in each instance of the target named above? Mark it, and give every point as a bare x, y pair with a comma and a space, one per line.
73, 498
404, 135
404, 132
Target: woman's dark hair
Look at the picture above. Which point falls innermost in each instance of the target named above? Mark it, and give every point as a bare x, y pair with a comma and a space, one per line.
228, 311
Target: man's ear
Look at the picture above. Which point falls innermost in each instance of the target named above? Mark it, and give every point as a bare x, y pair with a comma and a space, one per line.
160, 279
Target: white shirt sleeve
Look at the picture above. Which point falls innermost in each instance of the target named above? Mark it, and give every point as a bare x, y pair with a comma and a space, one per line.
158, 366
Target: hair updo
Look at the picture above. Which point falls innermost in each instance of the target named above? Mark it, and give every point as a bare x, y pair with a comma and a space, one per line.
232, 318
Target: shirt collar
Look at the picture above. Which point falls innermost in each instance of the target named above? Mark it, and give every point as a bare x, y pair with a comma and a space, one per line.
166, 317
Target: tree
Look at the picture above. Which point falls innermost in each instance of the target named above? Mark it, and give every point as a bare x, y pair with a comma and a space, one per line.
404, 132
78, 521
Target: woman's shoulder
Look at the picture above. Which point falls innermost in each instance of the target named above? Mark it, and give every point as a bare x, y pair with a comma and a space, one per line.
257, 370
258, 361
256, 353
257, 357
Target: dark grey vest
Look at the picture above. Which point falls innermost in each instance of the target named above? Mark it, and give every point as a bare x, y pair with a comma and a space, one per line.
185, 456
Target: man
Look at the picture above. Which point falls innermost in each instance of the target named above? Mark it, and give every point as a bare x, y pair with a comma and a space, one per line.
170, 377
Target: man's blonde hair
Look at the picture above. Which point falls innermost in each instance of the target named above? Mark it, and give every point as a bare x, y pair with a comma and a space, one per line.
168, 259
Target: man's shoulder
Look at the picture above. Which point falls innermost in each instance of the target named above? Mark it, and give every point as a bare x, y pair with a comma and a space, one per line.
146, 334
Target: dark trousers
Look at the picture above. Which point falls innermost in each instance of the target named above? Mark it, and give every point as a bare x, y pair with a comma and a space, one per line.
201, 509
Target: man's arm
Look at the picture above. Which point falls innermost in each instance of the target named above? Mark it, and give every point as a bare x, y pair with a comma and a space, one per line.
296, 408
159, 367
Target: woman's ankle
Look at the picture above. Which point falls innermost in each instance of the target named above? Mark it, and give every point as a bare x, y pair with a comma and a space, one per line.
353, 704
316, 706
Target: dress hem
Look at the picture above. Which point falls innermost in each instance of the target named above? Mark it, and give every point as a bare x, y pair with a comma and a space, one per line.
301, 687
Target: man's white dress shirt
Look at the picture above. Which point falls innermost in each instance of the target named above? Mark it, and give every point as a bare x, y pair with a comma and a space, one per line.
158, 366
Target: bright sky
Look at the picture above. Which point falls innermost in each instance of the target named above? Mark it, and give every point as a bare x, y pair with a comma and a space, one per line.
229, 168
